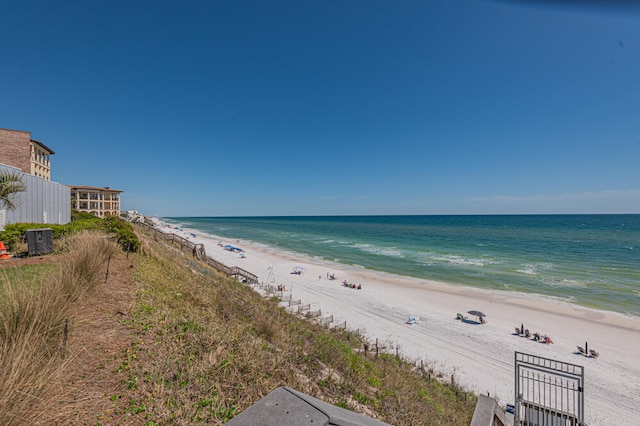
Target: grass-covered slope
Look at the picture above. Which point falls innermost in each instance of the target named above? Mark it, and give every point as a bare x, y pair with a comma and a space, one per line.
168, 341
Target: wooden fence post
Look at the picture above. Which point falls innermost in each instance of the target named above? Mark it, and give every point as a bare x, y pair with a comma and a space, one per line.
64, 338
107, 274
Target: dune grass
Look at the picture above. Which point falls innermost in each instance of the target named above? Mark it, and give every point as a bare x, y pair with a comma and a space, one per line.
218, 347
200, 349
35, 303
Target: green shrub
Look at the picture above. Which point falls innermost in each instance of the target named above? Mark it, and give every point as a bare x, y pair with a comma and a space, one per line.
15, 233
125, 236
10, 237
78, 215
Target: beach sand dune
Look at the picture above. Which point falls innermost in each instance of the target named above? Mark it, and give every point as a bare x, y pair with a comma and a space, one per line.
479, 357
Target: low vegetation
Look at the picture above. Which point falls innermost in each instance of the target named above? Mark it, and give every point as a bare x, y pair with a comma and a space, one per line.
14, 235
192, 347
35, 305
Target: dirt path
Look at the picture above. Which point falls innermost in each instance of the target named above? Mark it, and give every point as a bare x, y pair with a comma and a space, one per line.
98, 341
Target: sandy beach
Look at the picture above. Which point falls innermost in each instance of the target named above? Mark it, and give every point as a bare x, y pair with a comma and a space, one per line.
479, 356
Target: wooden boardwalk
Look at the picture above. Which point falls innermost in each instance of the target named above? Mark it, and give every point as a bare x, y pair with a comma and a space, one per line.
199, 252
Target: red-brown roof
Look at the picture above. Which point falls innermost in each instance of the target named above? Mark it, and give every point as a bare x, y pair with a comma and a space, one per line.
94, 188
43, 145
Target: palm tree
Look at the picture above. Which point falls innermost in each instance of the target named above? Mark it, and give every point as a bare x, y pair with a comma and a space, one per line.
10, 183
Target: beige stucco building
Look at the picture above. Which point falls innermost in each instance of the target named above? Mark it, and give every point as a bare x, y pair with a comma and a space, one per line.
99, 202
17, 149
32, 157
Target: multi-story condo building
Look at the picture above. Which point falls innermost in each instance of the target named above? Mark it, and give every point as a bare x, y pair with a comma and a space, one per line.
97, 201
17, 149
32, 157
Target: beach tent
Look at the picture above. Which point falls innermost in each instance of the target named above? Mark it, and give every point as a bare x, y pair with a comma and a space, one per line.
299, 270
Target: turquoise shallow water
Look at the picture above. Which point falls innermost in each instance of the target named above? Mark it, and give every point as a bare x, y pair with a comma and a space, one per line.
591, 260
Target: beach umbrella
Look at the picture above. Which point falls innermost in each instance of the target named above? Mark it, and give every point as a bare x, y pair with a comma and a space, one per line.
478, 314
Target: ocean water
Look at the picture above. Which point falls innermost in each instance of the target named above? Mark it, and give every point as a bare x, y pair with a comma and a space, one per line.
590, 260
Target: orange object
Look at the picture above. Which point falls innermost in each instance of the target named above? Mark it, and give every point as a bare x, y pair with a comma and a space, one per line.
3, 251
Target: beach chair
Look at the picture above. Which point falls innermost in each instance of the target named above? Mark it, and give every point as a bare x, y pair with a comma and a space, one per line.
593, 353
460, 316
518, 331
581, 350
527, 334
413, 319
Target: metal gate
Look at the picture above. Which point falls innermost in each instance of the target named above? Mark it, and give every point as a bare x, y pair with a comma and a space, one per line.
548, 392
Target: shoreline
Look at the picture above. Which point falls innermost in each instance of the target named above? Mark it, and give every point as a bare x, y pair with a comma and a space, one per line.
480, 357
581, 265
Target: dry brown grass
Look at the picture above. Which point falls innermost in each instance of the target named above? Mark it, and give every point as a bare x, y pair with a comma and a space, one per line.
32, 336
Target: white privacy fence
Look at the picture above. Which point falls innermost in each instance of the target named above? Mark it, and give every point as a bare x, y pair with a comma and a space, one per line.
43, 202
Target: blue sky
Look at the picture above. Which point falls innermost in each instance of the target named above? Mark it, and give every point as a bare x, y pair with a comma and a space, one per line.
242, 108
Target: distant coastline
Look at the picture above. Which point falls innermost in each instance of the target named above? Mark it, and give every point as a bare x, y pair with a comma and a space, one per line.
589, 260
